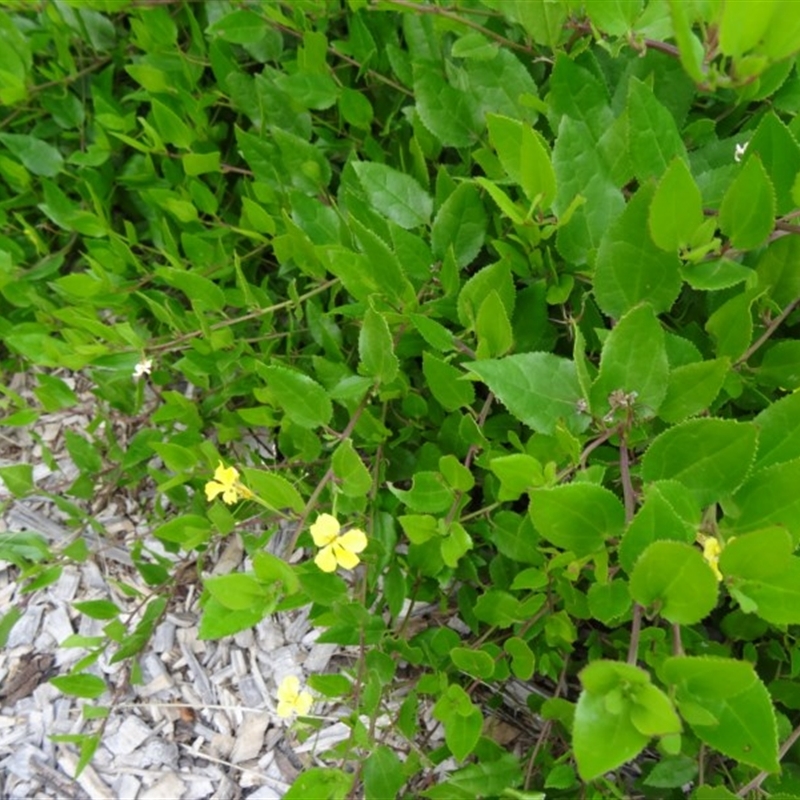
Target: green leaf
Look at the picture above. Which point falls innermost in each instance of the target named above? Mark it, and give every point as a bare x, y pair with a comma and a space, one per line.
450, 114
692, 388
389, 280
495, 277
511, 209
325, 783
539, 389
626, 367
455, 545
674, 578
524, 158
98, 609
83, 453
604, 736
581, 171
523, 660
433, 332
760, 567
770, 497
608, 602
35, 154
780, 154
496, 607
447, 383
653, 713
383, 774
672, 773
677, 208
493, 328
461, 719
355, 108
203, 293
691, 50
316, 90
202, 163
456, 474
238, 591
429, 494
779, 432
396, 195
517, 472
461, 224
653, 134
273, 489
781, 366
301, 398
731, 325
239, 27
80, 685
477, 663
170, 126
376, 348
777, 270
578, 517
747, 214
711, 457
579, 94
744, 724
630, 268
349, 470
721, 273
742, 26
187, 530
18, 479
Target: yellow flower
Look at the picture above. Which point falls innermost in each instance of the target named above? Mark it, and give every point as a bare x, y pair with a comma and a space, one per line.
711, 550
226, 482
291, 700
337, 550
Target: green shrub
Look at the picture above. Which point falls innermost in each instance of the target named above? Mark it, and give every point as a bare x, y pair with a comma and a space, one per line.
489, 305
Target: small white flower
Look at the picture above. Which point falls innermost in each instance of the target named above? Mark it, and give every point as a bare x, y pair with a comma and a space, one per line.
144, 367
739, 152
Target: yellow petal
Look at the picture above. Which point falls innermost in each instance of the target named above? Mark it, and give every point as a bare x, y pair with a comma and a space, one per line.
344, 557
326, 560
285, 709
354, 541
303, 703
230, 495
227, 476
289, 688
213, 489
324, 530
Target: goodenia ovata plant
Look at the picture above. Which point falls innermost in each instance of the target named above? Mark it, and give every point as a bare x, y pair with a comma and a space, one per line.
509, 290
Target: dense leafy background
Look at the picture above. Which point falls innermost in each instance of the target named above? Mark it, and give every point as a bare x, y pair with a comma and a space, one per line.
510, 285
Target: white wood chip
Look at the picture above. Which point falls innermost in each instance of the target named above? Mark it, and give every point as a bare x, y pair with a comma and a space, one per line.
168, 786
66, 587
57, 624
199, 675
128, 737
89, 780
250, 737
324, 739
24, 632
231, 556
127, 787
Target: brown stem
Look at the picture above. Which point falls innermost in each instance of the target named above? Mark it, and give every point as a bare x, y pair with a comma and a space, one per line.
771, 328
456, 17
762, 776
628, 493
326, 478
636, 629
